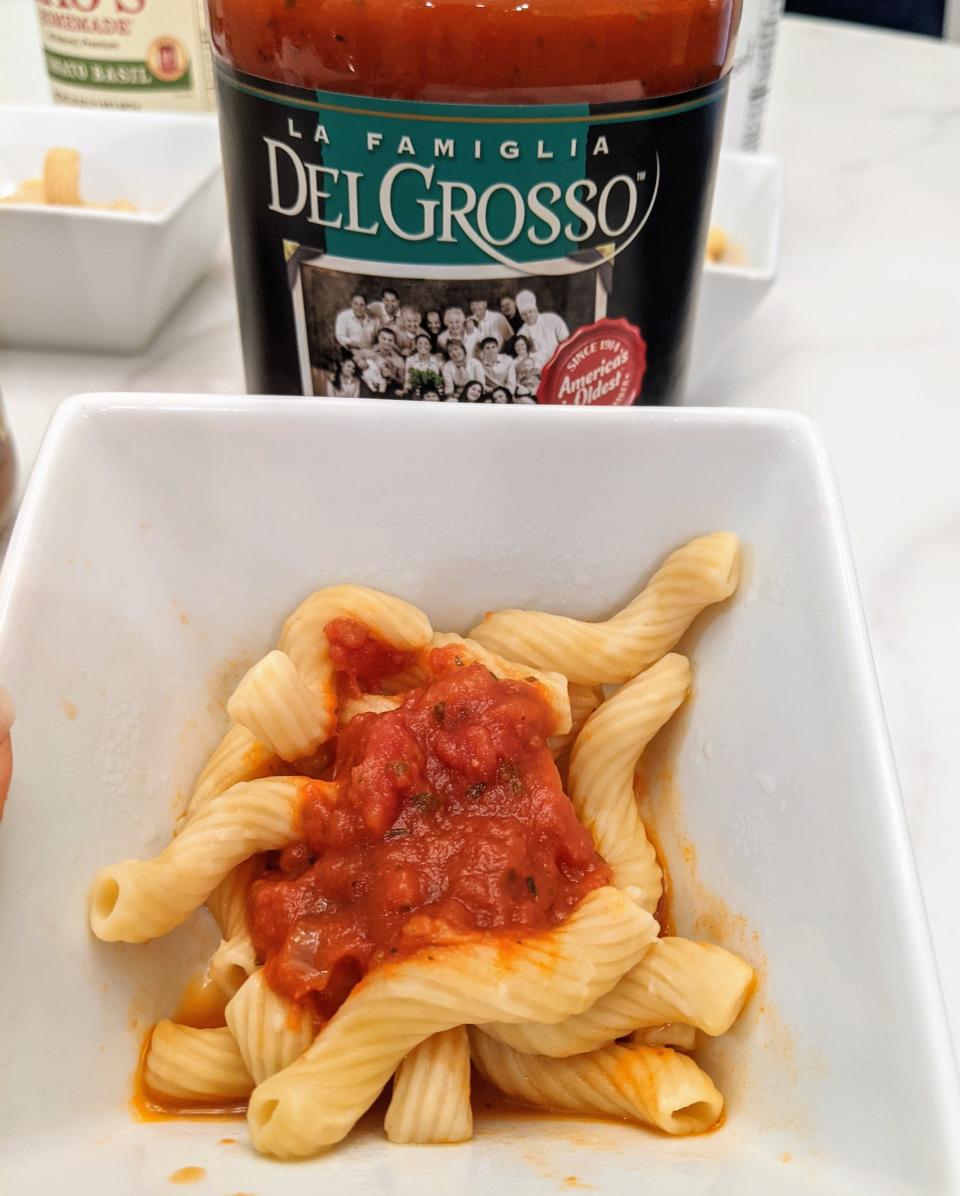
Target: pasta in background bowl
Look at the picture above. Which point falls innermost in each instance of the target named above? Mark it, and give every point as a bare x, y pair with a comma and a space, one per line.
131, 610
103, 274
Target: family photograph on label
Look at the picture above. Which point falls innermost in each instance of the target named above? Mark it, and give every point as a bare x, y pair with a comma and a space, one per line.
480, 335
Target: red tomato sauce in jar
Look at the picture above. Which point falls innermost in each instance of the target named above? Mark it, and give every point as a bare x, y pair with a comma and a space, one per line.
449, 819
535, 51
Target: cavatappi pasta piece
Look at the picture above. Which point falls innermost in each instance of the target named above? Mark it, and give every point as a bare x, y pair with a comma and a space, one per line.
366, 704
413, 675
233, 961
677, 980
29, 191
270, 1031
680, 980
279, 710
61, 177
396, 622
717, 242
195, 1065
235, 958
238, 757
228, 901
603, 761
552, 685
584, 699
721, 249
544, 977
142, 899
697, 575
431, 1092
649, 1084
60, 185
673, 1034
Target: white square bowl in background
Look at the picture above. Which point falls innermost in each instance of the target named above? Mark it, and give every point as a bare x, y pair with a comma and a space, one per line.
747, 204
86, 279
160, 545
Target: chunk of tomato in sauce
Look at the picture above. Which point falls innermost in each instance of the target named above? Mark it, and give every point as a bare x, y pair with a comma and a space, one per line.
362, 657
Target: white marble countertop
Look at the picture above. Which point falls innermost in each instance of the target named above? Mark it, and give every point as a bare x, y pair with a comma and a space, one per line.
859, 332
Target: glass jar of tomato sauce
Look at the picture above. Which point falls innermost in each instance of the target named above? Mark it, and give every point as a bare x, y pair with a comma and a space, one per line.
494, 200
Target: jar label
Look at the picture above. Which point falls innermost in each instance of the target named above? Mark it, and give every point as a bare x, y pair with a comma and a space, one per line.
503, 253
135, 54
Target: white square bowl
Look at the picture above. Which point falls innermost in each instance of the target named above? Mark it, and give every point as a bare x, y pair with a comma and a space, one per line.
746, 205
86, 279
161, 542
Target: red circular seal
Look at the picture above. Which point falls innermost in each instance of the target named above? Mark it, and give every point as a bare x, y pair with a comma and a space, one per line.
602, 364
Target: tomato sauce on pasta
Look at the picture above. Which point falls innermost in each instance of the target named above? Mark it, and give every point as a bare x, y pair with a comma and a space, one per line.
450, 818
362, 660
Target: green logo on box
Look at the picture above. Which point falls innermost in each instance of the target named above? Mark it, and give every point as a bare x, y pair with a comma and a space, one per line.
108, 73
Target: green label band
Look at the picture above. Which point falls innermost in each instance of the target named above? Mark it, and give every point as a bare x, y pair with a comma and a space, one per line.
107, 73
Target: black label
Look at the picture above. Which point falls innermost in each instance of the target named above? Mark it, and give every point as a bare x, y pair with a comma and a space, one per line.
536, 254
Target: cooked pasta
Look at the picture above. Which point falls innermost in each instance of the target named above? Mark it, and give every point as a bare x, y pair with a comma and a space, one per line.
232, 962
584, 699
28, 191
694, 577
602, 764
651, 1084
291, 694
60, 185
270, 1031
700, 984
366, 704
316, 1101
431, 1092
61, 176
228, 901
673, 1034
184, 1064
235, 958
405, 891
278, 709
677, 980
141, 899
238, 757
393, 620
